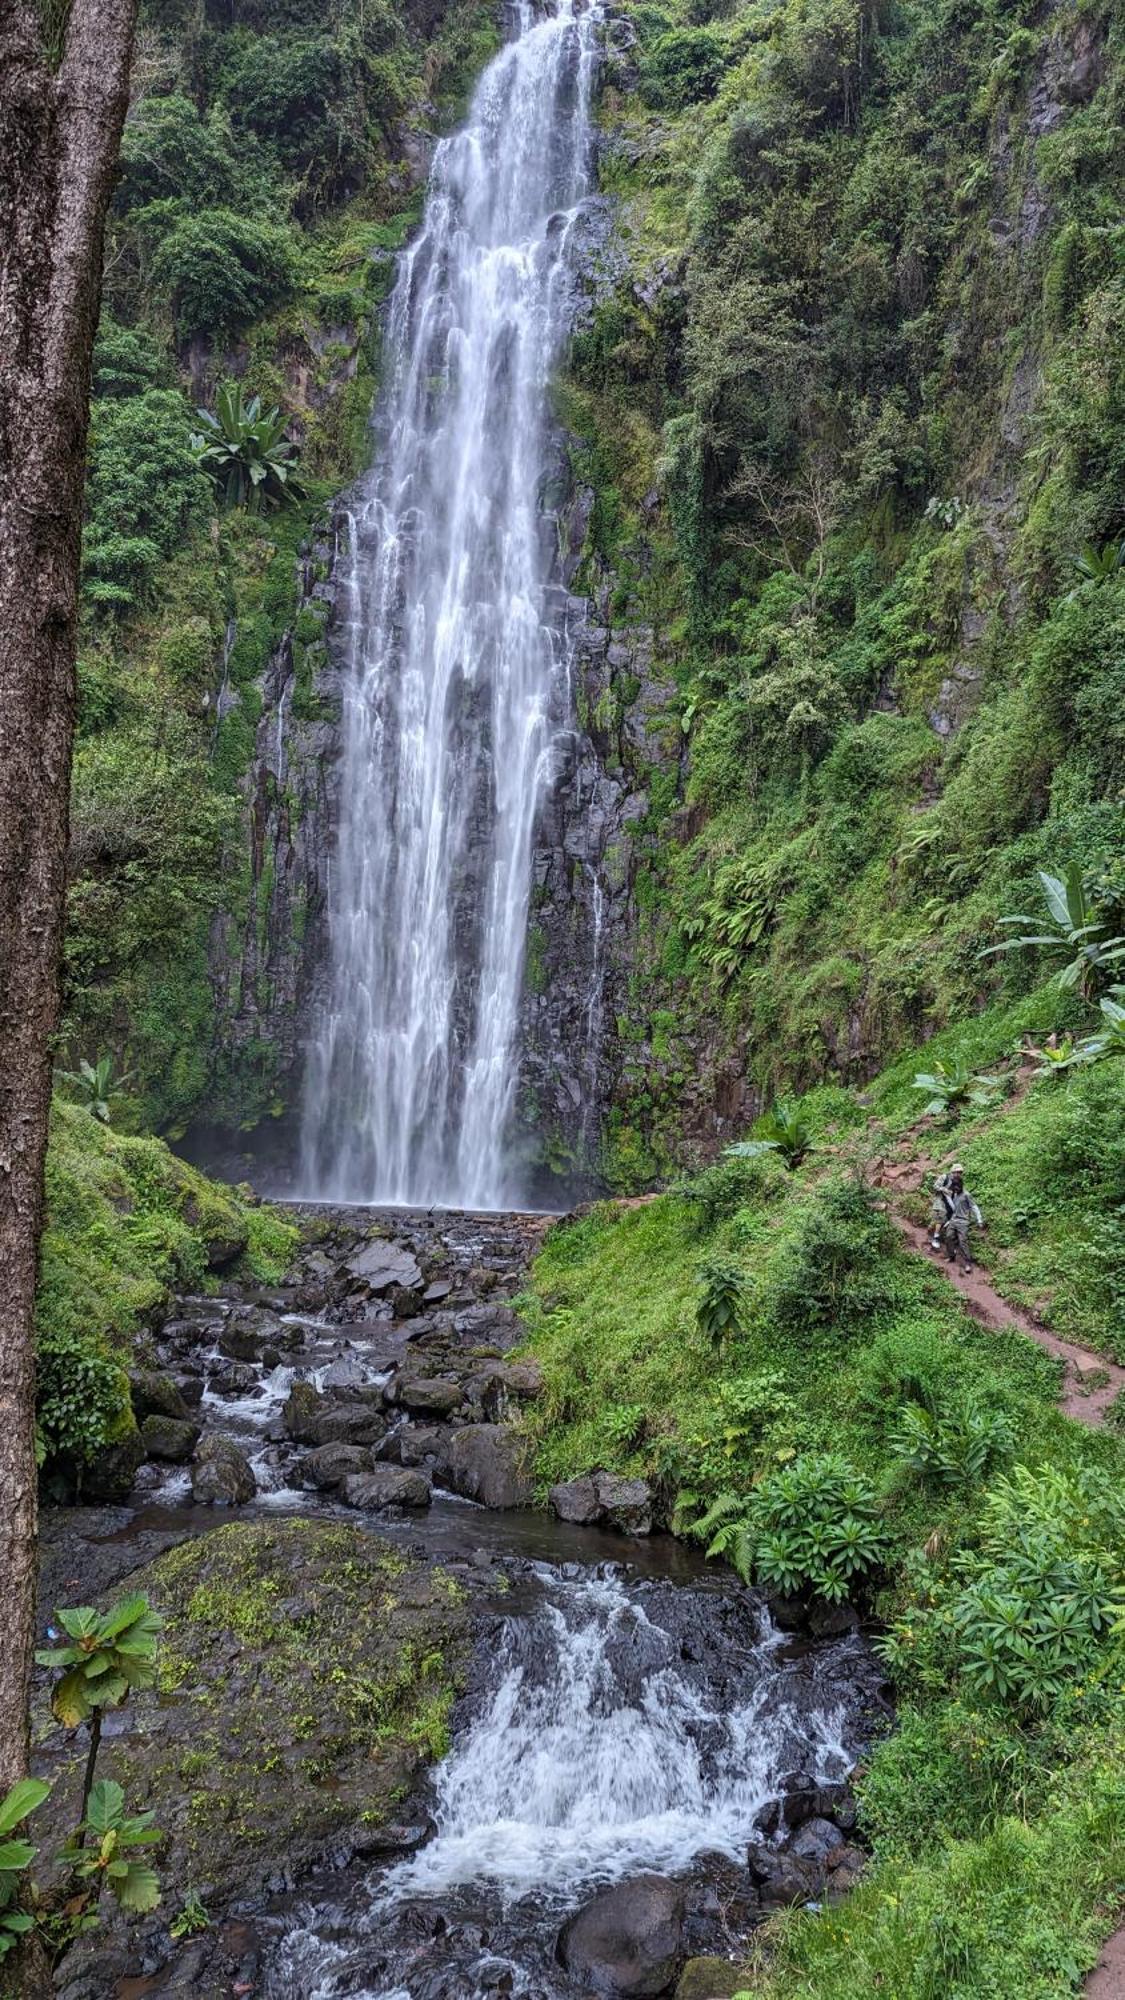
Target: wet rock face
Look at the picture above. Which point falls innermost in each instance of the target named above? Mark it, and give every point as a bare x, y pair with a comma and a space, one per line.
628, 1940
604, 1497
488, 1464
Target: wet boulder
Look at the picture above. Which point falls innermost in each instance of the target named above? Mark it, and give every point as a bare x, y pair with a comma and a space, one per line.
628, 1941
387, 1486
170, 1438
111, 1474
222, 1475
485, 1462
155, 1395
503, 1383
803, 1800
330, 1464
576, 1500
626, 1504
381, 1266
430, 1396
415, 1444
784, 1879
310, 1418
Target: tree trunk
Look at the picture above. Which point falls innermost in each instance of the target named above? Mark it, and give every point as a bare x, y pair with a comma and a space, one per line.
60, 129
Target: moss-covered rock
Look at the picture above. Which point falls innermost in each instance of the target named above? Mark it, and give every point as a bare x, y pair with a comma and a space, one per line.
306, 1674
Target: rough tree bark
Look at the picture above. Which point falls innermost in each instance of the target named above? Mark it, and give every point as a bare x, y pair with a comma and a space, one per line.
60, 128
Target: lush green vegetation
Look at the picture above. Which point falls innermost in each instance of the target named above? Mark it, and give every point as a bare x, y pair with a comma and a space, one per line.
855, 1433
267, 178
126, 1220
862, 356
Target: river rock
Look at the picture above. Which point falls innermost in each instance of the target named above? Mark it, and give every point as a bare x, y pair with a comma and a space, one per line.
221, 1475
381, 1265
816, 1841
155, 1395
628, 1941
783, 1878
503, 1383
626, 1504
110, 1476
330, 1464
488, 1463
387, 1486
576, 1500
169, 1438
804, 1801
415, 1444
432, 1397
847, 1866
310, 1418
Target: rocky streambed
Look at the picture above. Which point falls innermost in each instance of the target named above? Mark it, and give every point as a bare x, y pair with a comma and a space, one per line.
413, 1739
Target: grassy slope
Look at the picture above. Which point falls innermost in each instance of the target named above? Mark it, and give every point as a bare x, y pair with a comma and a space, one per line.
126, 1221
1000, 1841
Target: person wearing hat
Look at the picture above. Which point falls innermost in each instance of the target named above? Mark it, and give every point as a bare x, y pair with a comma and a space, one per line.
952, 1212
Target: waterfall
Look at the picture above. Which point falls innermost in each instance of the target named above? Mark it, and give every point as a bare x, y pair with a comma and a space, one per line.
455, 688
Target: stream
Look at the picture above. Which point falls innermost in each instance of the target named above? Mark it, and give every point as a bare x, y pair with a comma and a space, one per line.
634, 1719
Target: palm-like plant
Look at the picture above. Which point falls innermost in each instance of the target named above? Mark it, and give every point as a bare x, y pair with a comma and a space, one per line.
1110, 1039
108, 1861
16, 1854
721, 1301
109, 1655
783, 1129
245, 451
1075, 928
952, 1086
1093, 565
97, 1086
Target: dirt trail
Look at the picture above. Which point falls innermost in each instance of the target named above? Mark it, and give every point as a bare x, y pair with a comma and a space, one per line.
1090, 1383
1107, 1981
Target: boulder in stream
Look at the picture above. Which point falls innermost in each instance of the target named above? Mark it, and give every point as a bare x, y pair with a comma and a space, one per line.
171, 1438
387, 1486
330, 1464
310, 1418
626, 1503
380, 1265
576, 1500
155, 1395
431, 1397
628, 1941
221, 1475
485, 1462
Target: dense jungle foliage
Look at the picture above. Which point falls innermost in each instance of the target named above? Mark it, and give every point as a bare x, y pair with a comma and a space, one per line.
849, 402
271, 165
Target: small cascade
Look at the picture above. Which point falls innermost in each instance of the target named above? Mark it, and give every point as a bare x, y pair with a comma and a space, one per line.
455, 686
624, 1728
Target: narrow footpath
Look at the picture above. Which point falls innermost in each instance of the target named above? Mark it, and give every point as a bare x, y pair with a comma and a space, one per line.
1090, 1384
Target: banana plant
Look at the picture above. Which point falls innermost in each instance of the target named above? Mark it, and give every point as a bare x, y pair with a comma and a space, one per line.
1094, 566
16, 1854
783, 1129
96, 1086
953, 1085
244, 450
110, 1654
1110, 1040
1075, 929
109, 1860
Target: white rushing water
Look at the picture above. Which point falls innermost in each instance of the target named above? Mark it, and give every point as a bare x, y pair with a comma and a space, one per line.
455, 686
583, 1774
598, 1755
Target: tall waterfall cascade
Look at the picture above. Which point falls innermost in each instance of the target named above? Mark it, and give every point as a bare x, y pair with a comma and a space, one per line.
455, 685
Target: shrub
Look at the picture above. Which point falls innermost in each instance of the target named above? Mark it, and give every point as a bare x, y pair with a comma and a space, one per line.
144, 488
719, 1311
838, 1269
216, 271
682, 67
720, 1191
812, 1526
955, 1445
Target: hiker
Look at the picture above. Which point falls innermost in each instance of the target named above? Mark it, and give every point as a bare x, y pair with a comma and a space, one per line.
952, 1212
